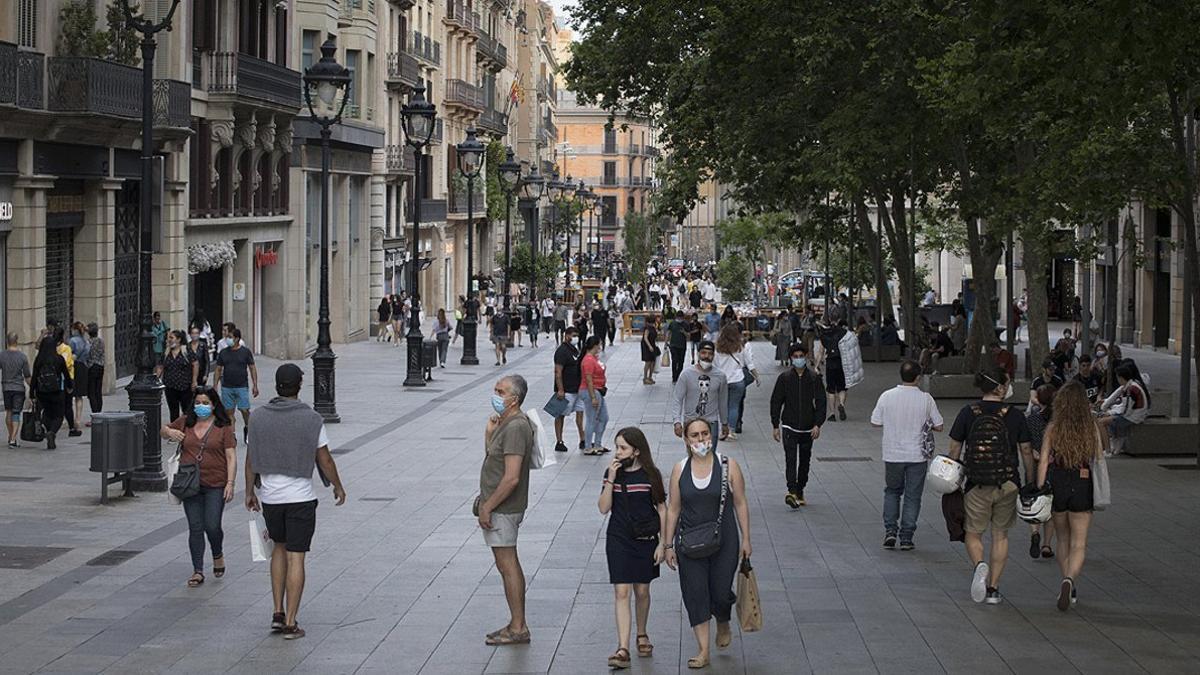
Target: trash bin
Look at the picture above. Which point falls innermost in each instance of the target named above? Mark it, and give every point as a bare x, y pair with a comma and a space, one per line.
117, 442
429, 358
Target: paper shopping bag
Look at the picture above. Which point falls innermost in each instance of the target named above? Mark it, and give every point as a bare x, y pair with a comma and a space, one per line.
749, 609
259, 539
666, 358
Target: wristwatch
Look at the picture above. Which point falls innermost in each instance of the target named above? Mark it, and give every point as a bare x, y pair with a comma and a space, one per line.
669, 546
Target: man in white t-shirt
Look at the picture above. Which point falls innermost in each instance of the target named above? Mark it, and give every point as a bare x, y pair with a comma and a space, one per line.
908, 417
547, 315
286, 443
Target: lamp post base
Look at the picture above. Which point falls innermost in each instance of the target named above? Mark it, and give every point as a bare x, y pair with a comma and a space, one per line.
415, 376
145, 396
469, 357
324, 390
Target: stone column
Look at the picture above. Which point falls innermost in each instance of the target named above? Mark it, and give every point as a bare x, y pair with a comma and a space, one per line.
375, 256
169, 271
95, 268
27, 260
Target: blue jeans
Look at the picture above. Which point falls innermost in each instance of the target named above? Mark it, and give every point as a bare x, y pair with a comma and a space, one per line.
904, 479
594, 420
737, 395
204, 518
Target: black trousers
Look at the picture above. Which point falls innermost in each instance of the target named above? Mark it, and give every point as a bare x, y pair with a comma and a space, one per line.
797, 455
68, 409
95, 388
678, 354
52, 410
179, 401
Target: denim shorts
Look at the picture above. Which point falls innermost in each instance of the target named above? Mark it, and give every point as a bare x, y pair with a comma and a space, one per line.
235, 397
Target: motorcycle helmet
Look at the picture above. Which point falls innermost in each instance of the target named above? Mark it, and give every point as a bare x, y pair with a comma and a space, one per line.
945, 475
1033, 505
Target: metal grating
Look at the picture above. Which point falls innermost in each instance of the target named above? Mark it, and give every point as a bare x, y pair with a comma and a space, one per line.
125, 245
60, 274
112, 558
843, 459
377, 499
19, 479
1180, 467
28, 557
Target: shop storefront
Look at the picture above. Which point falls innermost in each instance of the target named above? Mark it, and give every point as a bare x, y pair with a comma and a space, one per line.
268, 292
6, 223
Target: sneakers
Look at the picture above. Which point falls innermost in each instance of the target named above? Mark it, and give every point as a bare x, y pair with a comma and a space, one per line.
800, 498
833, 418
889, 541
993, 596
582, 446
278, 621
1066, 591
979, 589
1035, 546
74, 432
293, 632
732, 436
560, 447
906, 545
12, 444
842, 412
791, 500
50, 445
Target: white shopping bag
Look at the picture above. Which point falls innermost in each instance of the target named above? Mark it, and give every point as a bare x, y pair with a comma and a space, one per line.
540, 459
170, 468
259, 539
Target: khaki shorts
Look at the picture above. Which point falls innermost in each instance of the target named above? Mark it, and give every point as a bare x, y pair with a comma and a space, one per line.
994, 505
504, 529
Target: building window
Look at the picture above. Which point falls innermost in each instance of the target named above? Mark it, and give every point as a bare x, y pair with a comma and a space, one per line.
630, 205
352, 60
610, 212
610, 173
27, 22
310, 43
610, 141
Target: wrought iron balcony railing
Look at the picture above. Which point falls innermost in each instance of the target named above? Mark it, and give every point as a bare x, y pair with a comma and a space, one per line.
22, 77
403, 69
245, 75
400, 159
465, 94
172, 104
494, 121
85, 85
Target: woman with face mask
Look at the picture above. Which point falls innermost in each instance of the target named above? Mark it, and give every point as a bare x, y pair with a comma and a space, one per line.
178, 371
633, 494
707, 495
205, 437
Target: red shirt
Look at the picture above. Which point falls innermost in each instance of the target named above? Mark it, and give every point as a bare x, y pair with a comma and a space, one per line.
1005, 360
594, 367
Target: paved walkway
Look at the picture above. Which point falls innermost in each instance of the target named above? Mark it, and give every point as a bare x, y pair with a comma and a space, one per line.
399, 580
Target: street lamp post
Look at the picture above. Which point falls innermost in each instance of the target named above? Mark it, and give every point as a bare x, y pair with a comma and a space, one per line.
326, 79
532, 187
583, 200
510, 175
470, 162
561, 194
145, 391
417, 117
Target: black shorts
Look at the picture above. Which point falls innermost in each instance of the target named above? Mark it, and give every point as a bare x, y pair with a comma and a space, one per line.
14, 401
1071, 492
291, 524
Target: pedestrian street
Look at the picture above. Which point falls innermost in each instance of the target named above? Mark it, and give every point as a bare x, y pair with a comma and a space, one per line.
400, 581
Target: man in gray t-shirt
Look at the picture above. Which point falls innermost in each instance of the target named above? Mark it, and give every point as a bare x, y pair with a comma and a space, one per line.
14, 377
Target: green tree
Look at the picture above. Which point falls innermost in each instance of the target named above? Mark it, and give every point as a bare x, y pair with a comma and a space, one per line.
733, 276
78, 35
542, 268
641, 237
495, 193
123, 41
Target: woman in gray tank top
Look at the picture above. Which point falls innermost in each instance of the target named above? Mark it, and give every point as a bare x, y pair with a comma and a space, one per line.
695, 498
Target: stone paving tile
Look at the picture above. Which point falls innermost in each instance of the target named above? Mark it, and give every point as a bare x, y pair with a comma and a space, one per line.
406, 585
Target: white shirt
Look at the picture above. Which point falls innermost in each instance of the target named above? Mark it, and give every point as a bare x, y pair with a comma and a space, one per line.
279, 489
903, 411
732, 364
547, 308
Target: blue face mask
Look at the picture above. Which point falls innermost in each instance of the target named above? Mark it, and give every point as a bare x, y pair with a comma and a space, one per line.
498, 404
203, 411
799, 362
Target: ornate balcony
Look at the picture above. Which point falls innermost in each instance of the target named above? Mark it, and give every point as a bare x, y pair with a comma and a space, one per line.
493, 121
551, 129
172, 104
85, 85
22, 77
248, 77
433, 210
404, 72
403, 4
490, 51
436, 137
400, 160
464, 96
458, 201
456, 15
426, 50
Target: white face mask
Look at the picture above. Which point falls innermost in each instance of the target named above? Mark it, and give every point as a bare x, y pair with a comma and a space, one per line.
701, 449
704, 365
1008, 392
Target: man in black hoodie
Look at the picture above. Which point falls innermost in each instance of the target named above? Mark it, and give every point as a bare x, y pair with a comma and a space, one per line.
797, 410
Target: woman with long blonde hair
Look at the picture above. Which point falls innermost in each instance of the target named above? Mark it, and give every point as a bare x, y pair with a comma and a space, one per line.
1072, 442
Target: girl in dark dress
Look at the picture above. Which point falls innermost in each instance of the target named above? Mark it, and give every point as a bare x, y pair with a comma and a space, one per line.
634, 496
650, 350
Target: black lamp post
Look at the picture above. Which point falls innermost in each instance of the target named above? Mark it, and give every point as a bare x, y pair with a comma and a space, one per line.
417, 117
510, 175
470, 162
325, 79
532, 187
561, 193
584, 195
145, 391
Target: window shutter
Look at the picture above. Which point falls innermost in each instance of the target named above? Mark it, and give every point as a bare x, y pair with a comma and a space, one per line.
27, 22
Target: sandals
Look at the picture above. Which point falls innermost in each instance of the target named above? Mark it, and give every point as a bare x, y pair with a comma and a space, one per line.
698, 662
506, 637
219, 572
644, 648
1047, 552
196, 580
620, 659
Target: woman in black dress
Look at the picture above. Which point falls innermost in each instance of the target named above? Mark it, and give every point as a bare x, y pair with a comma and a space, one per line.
633, 493
385, 318
650, 350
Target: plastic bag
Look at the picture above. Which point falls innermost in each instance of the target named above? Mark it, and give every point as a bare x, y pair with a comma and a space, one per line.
259, 539
170, 468
540, 459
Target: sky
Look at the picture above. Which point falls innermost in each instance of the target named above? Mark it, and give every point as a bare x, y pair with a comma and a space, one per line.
560, 8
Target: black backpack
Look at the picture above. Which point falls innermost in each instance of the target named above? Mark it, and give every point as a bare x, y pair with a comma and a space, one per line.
987, 459
49, 380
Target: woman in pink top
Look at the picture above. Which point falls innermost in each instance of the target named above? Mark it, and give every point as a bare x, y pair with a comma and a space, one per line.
595, 385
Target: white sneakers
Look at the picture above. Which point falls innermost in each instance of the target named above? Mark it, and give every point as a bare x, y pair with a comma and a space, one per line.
979, 582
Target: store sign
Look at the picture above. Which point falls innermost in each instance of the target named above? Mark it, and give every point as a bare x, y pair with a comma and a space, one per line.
265, 258
6, 212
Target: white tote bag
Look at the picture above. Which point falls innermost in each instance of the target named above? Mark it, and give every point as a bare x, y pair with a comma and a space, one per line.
260, 540
540, 459
170, 468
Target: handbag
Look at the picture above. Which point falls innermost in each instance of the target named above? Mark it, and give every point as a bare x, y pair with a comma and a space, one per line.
170, 468
749, 608
641, 528
666, 358
703, 540
1101, 489
32, 430
186, 482
928, 444
747, 376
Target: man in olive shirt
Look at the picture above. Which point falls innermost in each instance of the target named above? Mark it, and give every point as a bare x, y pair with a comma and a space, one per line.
504, 496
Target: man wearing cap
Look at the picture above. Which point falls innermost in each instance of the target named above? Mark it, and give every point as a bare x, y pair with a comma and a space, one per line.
567, 378
702, 392
289, 441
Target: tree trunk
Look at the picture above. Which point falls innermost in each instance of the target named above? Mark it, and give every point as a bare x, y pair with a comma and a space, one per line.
1184, 137
894, 222
985, 252
1035, 259
1110, 283
874, 245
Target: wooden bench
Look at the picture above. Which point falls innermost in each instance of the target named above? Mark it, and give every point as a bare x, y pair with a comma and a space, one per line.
886, 353
1163, 436
963, 386
952, 365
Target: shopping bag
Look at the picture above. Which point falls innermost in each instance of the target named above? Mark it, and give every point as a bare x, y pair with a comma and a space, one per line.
540, 459
749, 609
1101, 490
666, 358
170, 468
32, 430
260, 540
556, 407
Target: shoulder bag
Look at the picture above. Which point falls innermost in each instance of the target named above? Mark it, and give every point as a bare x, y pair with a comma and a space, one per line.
641, 528
703, 540
186, 482
1101, 490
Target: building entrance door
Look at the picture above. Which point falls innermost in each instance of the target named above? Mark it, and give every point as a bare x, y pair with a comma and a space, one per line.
125, 278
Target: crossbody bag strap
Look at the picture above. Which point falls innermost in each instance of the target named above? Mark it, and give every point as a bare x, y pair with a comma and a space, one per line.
724, 490
203, 442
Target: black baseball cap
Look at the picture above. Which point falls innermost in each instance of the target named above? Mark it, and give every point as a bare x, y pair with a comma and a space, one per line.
706, 344
288, 376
